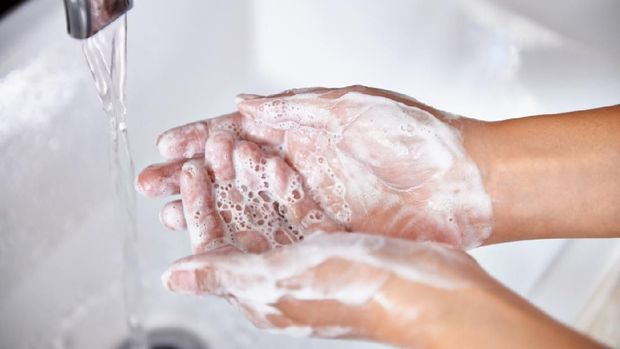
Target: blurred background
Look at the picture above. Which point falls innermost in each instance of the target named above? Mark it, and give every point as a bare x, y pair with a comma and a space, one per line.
60, 258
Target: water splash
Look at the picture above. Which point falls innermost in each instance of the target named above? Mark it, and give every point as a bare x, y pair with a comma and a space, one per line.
106, 54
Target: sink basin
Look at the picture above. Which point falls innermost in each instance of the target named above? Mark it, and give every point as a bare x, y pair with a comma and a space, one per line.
60, 258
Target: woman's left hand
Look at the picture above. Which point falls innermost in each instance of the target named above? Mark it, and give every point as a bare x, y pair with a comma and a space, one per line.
344, 285
370, 287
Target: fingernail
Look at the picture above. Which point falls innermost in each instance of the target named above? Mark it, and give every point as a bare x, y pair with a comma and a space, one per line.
189, 168
159, 139
138, 186
171, 216
181, 281
165, 144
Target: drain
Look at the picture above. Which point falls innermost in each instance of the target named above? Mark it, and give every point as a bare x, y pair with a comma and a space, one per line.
169, 338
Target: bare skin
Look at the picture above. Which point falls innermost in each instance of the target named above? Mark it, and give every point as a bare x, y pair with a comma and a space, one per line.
389, 166
244, 197
551, 176
424, 295
548, 176
524, 167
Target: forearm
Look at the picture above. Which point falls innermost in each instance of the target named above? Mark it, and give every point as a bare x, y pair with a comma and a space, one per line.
490, 317
552, 175
500, 319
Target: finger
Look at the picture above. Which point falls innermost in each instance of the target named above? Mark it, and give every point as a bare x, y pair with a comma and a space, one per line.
258, 318
237, 274
251, 242
171, 216
316, 107
285, 93
333, 93
203, 222
239, 203
189, 140
218, 155
304, 271
183, 141
290, 112
247, 158
301, 210
160, 179
280, 187
260, 133
205, 273
399, 97
325, 317
261, 289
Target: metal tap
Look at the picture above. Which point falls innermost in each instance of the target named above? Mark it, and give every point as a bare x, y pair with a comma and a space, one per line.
87, 17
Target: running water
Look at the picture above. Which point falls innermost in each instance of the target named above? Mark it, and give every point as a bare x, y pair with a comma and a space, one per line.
106, 54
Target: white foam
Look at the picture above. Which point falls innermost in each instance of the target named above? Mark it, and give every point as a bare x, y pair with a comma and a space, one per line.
254, 202
392, 308
259, 281
372, 152
332, 331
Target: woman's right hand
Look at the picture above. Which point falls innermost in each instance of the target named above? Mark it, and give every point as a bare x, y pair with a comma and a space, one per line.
371, 159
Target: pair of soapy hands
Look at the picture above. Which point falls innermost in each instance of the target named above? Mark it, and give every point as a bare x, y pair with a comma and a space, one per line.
377, 185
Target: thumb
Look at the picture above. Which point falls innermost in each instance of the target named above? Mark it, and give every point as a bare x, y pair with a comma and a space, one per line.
320, 261
197, 274
227, 271
289, 112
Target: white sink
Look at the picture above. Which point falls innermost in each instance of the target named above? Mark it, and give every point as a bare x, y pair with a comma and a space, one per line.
60, 261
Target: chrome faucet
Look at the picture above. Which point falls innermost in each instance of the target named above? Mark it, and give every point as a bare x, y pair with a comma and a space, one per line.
87, 17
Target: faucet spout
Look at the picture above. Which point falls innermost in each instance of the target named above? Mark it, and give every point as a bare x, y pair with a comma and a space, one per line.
87, 17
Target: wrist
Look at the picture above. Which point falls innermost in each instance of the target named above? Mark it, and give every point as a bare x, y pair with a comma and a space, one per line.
480, 150
549, 176
404, 319
483, 314
412, 315
494, 317
508, 169
433, 318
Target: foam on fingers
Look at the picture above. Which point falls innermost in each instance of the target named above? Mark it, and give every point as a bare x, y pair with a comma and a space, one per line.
290, 112
189, 140
218, 155
247, 155
159, 179
286, 93
264, 206
171, 216
367, 152
302, 211
348, 270
203, 221
183, 141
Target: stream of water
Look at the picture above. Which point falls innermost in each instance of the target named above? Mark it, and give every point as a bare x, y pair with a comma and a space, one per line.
106, 54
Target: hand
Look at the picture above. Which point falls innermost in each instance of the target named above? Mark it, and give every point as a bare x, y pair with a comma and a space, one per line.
371, 159
356, 286
241, 195
337, 285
